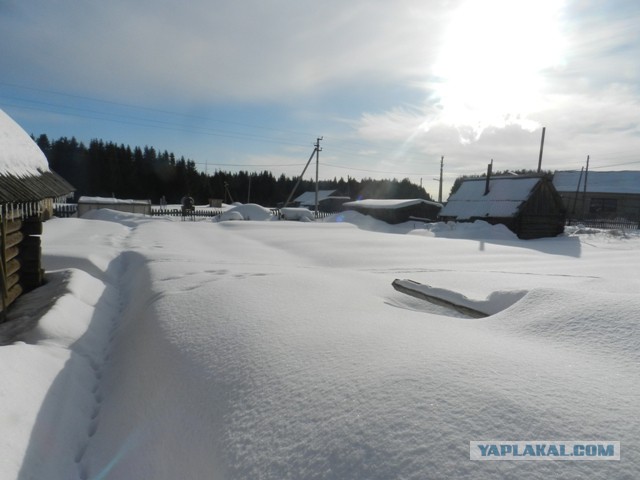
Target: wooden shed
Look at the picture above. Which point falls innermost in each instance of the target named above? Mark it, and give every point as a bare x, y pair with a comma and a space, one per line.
328, 200
600, 195
86, 204
529, 206
28, 189
396, 210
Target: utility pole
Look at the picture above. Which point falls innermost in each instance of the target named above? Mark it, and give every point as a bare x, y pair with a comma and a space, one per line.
575, 199
584, 191
489, 171
440, 187
318, 149
249, 191
295, 187
541, 147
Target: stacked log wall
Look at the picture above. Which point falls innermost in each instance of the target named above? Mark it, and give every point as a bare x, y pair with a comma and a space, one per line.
21, 256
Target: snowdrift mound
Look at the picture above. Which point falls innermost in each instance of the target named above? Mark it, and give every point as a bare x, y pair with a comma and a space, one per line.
298, 214
249, 211
606, 323
477, 230
123, 218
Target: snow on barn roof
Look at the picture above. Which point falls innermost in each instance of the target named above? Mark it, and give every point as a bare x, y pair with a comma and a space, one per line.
625, 181
20, 156
506, 195
309, 198
24, 170
112, 201
388, 203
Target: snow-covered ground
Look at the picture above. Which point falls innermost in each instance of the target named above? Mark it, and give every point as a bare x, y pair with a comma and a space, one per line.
166, 349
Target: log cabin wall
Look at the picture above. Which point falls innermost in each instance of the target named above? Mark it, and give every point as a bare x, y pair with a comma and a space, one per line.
20, 252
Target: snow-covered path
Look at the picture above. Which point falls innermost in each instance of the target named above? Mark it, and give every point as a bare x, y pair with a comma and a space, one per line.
280, 350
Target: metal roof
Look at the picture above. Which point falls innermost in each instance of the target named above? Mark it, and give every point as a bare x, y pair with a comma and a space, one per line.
33, 187
505, 196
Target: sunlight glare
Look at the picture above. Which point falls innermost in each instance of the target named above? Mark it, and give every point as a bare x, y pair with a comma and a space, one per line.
491, 65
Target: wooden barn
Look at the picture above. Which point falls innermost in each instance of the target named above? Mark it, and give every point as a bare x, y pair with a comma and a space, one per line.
328, 200
396, 210
28, 190
529, 206
600, 195
86, 204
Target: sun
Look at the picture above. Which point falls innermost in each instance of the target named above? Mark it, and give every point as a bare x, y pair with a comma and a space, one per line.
491, 65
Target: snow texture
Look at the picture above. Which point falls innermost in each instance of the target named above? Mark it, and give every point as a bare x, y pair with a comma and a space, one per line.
249, 211
112, 201
280, 350
296, 213
20, 156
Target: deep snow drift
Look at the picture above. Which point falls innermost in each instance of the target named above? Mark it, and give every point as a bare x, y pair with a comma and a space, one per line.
251, 349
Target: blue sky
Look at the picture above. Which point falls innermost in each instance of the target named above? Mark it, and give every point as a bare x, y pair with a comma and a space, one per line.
390, 86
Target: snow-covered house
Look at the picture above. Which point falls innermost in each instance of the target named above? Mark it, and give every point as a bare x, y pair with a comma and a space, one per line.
328, 200
600, 195
396, 210
28, 189
529, 206
86, 204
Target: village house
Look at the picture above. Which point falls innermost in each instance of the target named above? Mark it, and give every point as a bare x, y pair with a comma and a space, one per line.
529, 206
28, 190
328, 200
600, 195
85, 204
396, 210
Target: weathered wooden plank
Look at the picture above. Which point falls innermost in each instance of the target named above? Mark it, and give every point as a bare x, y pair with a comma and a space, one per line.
412, 288
13, 239
13, 293
13, 226
12, 266
11, 253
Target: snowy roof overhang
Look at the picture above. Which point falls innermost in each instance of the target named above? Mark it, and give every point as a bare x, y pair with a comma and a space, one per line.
309, 198
623, 182
505, 197
111, 201
24, 170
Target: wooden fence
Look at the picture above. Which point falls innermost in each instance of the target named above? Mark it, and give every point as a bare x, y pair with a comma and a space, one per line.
317, 215
177, 212
607, 224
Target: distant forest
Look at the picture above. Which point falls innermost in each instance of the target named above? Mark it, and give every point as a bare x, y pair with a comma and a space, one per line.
105, 169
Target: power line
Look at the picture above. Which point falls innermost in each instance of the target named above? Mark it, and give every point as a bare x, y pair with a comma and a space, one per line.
377, 171
148, 123
617, 165
150, 109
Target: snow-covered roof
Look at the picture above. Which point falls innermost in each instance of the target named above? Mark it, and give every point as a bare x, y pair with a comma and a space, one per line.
388, 203
309, 198
506, 195
20, 156
625, 181
24, 170
112, 201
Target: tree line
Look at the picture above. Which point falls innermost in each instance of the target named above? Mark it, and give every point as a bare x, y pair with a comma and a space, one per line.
106, 169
